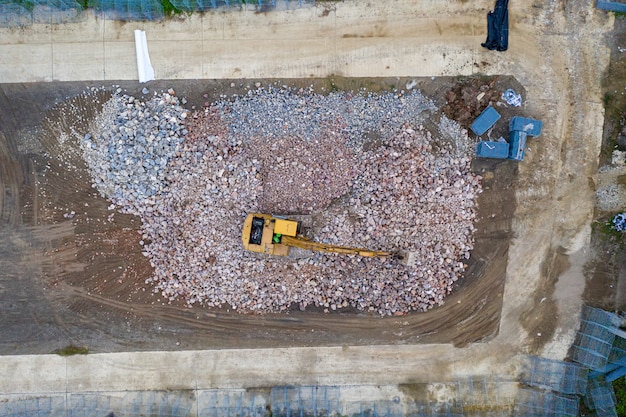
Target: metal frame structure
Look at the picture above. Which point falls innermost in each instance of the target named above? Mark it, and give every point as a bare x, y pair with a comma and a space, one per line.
557, 376
532, 403
594, 341
600, 398
231, 403
314, 401
485, 395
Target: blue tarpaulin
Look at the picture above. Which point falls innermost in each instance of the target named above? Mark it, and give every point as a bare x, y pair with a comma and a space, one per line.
498, 27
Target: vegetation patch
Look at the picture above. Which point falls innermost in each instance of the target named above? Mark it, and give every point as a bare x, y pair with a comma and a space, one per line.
71, 350
605, 227
619, 385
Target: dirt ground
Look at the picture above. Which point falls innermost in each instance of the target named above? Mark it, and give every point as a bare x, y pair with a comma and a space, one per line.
606, 271
80, 280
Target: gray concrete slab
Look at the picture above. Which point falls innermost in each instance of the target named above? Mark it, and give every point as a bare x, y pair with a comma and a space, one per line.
131, 371
29, 63
243, 368
329, 40
33, 374
82, 64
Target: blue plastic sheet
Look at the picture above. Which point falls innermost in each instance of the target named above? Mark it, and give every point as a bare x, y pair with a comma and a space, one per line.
619, 222
512, 98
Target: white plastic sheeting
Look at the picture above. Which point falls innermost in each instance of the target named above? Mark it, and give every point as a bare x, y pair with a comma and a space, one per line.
144, 67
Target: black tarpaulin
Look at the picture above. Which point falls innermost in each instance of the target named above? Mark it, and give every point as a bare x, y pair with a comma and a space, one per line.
498, 27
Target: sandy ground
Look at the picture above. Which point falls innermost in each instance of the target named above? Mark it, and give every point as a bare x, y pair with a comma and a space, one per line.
557, 53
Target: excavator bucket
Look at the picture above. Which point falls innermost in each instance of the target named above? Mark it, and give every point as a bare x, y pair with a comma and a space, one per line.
407, 258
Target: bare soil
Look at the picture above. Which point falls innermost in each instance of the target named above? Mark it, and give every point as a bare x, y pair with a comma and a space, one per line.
606, 270
80, 280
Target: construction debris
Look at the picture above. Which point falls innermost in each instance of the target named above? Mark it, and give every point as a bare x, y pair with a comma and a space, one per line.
394, 188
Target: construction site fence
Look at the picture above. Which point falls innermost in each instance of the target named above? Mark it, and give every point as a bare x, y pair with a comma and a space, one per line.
460, 399
24, 13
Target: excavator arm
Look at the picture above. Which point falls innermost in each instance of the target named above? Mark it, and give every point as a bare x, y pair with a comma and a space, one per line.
298, 242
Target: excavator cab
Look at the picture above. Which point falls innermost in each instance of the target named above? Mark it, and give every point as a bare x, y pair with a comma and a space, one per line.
264, 233
256, 232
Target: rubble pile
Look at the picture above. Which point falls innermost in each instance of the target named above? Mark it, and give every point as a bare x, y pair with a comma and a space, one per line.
131, 145
362, 165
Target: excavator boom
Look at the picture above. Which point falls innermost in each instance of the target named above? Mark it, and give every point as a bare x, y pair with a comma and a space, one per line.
297, 242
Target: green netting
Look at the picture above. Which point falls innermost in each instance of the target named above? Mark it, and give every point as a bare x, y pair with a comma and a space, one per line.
588, 358
55, 11
128, 10
155, 403
258, 5
198, 5
428, 412
13, 15
21, 13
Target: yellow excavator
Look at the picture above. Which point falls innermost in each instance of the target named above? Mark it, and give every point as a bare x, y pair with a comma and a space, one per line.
276, 235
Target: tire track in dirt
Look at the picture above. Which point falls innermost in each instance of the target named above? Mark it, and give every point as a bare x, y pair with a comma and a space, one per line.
11, 179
